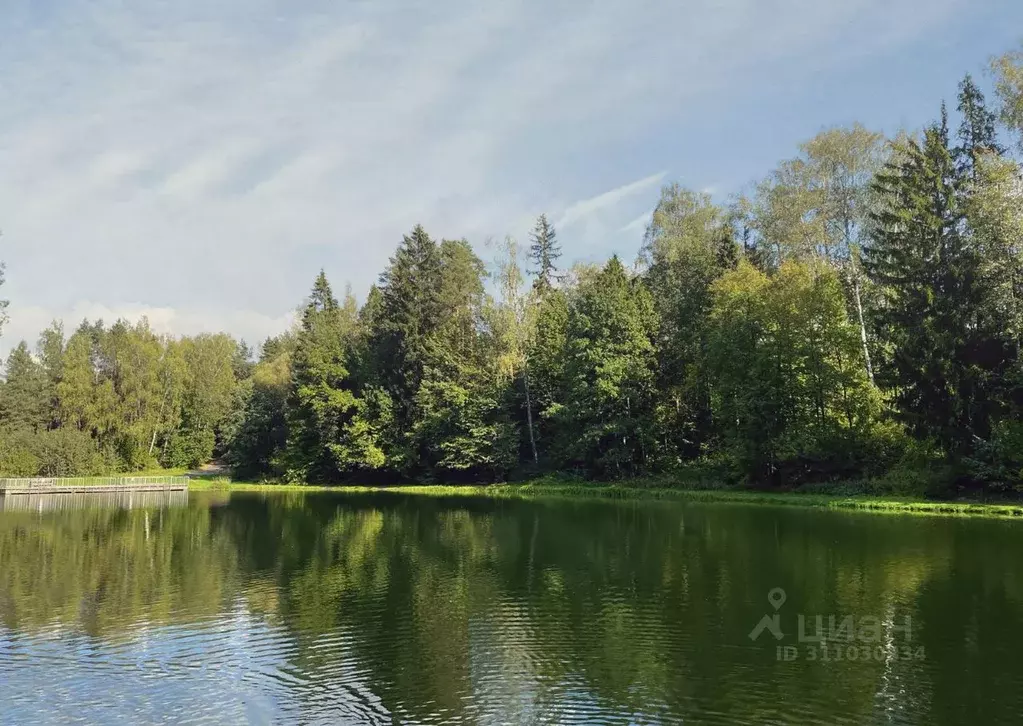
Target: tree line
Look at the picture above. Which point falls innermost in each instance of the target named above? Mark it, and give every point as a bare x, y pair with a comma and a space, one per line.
856, 313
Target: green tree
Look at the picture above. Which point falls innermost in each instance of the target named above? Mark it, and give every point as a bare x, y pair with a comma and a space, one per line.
207, 395
130, 357
610, 372
977, 133
326, 434
790, 397
1008, 73
461, 427
840, 166
259, 439
994, 210
946, 348
50, 353
544, 252
514, 326
687, 246
546, 357
24, 400
75, 390
816, 207
404, 322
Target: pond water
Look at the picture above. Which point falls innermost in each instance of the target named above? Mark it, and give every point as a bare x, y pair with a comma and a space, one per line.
323, 608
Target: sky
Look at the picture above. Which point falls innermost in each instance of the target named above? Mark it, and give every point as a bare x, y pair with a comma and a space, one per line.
199, 162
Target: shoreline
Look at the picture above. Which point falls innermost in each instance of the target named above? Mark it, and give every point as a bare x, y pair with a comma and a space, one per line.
834, 502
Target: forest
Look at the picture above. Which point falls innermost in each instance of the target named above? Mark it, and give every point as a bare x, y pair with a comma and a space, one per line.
854, 317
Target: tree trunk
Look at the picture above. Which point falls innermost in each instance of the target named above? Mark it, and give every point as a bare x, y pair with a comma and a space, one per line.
529, 413
156, 428
863, 327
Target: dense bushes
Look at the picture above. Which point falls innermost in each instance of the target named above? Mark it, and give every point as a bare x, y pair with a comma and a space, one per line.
57, 453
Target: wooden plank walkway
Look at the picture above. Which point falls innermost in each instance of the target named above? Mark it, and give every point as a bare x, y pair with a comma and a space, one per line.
89, 485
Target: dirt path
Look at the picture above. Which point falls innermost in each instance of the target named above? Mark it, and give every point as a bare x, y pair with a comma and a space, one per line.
212, 470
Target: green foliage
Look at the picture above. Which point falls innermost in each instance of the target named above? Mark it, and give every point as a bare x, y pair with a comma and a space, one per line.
17, 454
947, 352
117, 399
405, 319
1008, 73
24, 403
547, 356
259, 437
58, 453
688, 246
857, 317
544, 253
326, 435
605, 424
790, 397
977, 132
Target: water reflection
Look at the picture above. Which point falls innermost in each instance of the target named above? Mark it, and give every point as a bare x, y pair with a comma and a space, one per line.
87, 500
380, 609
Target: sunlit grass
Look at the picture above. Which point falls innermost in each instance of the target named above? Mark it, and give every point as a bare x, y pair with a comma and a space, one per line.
624, 491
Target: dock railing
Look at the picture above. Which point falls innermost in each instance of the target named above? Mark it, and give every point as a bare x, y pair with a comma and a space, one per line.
49, 484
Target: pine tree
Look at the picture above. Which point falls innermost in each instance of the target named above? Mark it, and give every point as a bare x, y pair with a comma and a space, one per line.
409, 313
24, 400
404, 323
608, 409
460, 426
977, 131
544, 253
326, 437
945, 347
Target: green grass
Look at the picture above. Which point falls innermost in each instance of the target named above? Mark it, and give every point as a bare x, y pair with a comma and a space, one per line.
548, 489
182, 471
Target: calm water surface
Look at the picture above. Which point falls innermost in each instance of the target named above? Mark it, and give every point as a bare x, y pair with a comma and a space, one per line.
294, 608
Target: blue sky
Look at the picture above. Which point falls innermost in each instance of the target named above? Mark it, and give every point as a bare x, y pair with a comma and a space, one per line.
198, 162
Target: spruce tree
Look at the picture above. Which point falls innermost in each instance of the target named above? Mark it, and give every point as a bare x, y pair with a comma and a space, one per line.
946, 352
24, 396
544, 253
607, 414
977, 131
326, 437
409, 312
404, 321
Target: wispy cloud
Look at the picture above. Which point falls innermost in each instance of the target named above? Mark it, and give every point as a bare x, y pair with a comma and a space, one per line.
206, 159
586, 207
639, 224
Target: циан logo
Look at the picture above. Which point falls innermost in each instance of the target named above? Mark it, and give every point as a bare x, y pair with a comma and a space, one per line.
838, 637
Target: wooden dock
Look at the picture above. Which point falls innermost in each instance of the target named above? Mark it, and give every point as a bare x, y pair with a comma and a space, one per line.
68, 501
91, 485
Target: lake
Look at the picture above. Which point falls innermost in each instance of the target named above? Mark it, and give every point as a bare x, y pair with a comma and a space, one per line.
329, 608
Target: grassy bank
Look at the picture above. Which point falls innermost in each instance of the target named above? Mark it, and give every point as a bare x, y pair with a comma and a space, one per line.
546, 489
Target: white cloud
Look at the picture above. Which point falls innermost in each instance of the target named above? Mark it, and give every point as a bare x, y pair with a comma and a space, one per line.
206, 159
639, 224
587, 207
